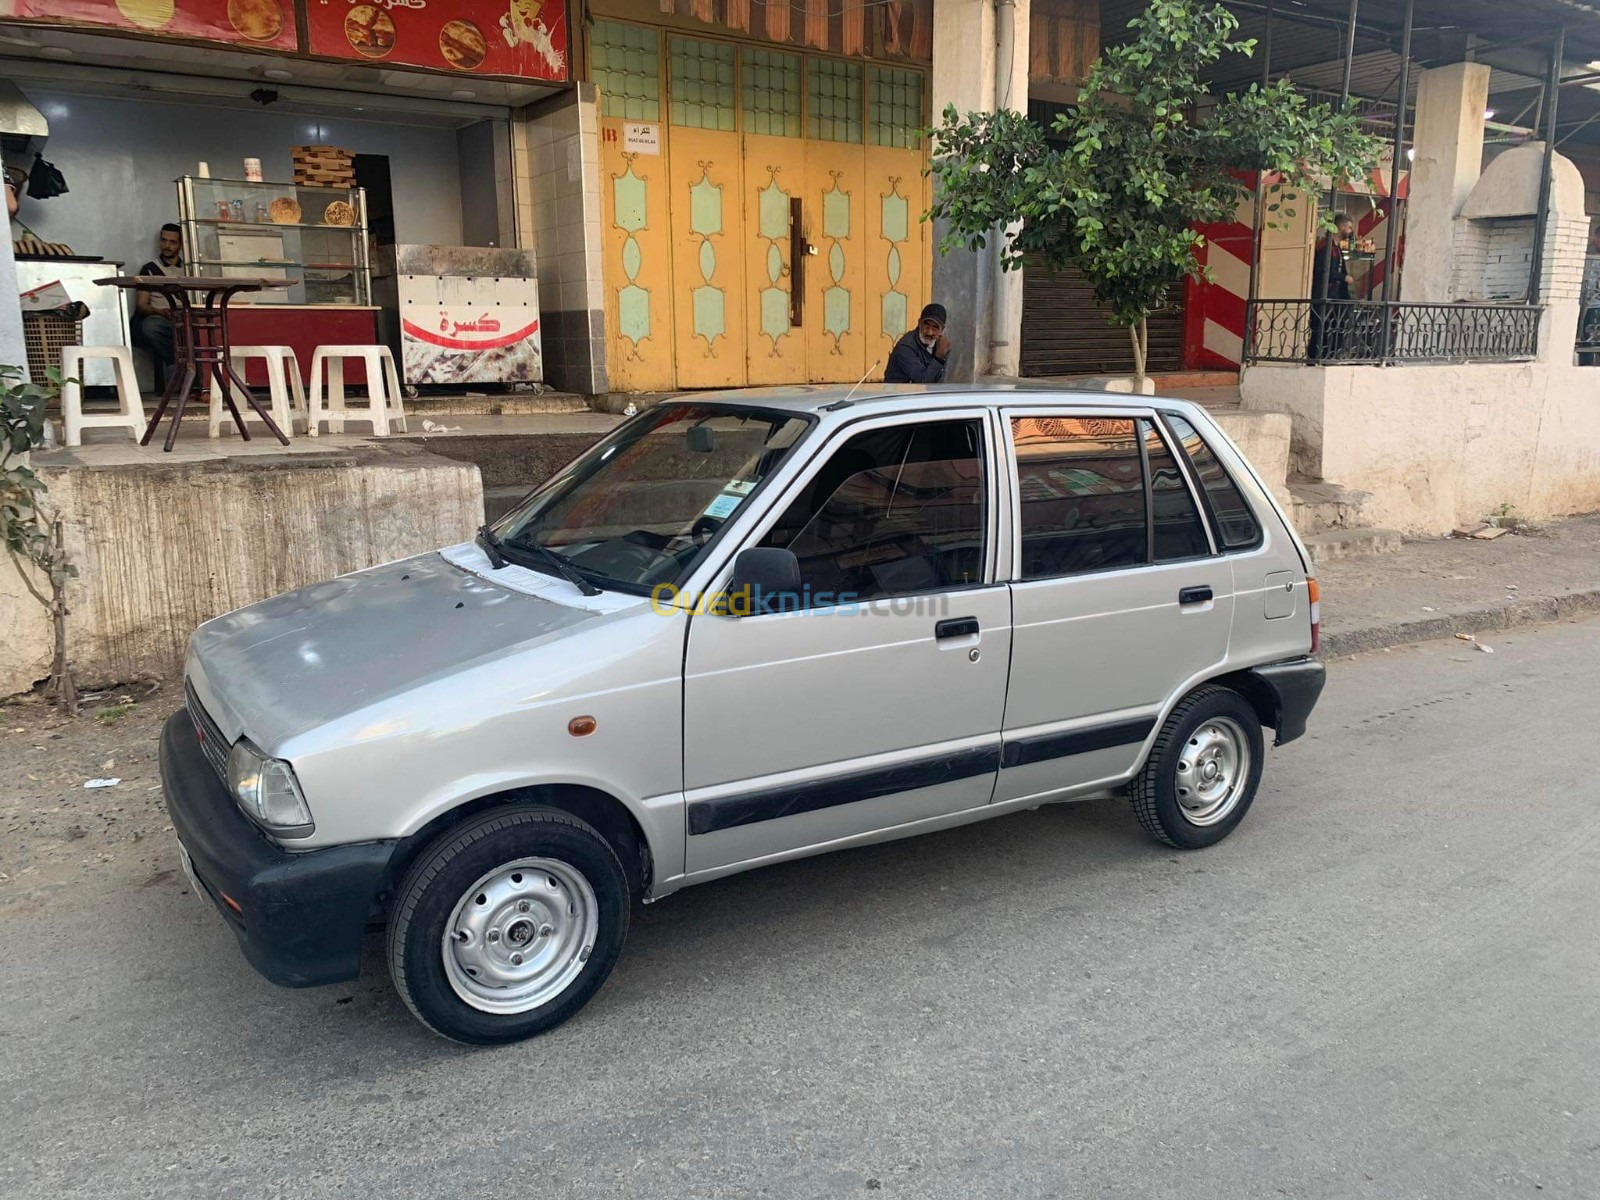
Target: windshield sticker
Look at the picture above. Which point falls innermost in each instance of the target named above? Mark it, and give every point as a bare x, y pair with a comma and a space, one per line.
723, 505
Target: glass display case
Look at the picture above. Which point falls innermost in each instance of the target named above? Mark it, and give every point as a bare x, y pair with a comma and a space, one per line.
313, 235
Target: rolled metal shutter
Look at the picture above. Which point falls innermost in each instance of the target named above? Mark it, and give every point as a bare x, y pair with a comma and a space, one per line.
1064, 332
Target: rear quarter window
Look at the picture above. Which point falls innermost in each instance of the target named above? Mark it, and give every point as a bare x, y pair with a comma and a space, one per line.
1236, 525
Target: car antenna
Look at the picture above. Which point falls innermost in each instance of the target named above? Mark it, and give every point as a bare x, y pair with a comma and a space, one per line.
845, 403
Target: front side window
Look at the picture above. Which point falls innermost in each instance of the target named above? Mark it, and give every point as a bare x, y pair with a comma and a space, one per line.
1236, 524
892, 512
1081, 487
638, 509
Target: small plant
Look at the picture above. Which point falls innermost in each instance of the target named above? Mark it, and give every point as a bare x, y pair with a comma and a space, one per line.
33, 537
113, 713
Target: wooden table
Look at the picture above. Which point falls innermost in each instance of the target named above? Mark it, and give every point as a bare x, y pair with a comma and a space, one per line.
198, 309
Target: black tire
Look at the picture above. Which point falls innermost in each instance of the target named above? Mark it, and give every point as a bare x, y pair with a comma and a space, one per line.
1155, 792
440, 879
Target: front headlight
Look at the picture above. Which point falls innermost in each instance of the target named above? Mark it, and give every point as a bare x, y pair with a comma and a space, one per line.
267, 791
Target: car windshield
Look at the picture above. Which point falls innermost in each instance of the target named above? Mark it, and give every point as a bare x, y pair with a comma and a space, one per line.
638, 509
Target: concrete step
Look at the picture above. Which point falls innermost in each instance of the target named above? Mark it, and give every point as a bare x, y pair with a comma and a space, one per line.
1334, 544
1316, 506
496, 404
498, 501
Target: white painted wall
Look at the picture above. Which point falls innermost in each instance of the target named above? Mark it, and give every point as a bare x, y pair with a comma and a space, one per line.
11, 348
120, 157
1438, 446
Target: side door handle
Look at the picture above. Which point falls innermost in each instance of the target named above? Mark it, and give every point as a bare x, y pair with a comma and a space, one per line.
954, 627
1194, 595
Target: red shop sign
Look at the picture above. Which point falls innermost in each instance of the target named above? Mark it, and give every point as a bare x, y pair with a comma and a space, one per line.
267, 24
522, 38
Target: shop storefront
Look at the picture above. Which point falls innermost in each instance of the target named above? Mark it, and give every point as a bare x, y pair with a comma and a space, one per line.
334, 147
762, 187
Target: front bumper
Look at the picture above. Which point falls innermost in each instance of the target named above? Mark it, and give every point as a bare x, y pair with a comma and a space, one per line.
300, 916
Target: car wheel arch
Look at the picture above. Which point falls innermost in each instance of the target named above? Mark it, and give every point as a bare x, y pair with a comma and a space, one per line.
609, 816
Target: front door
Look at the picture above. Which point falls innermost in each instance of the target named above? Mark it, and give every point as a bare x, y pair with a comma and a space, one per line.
876, 702
1120, 599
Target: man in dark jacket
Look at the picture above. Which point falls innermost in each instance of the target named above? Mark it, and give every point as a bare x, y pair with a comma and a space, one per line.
919, 356
1330, 280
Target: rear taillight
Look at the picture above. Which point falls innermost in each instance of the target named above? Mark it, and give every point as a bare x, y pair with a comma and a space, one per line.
1314, 594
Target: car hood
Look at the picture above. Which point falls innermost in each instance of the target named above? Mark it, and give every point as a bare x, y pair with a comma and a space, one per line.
300, 660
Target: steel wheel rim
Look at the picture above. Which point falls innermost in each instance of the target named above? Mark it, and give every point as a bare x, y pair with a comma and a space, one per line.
520, 935
1213, 771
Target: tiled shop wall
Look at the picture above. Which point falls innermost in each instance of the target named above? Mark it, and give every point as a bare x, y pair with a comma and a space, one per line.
557, 154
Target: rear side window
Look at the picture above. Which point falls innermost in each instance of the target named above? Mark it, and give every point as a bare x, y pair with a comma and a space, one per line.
1236, 524
1179, 531
1082, 491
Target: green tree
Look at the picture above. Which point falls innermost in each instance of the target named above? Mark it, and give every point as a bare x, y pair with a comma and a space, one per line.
1145, 156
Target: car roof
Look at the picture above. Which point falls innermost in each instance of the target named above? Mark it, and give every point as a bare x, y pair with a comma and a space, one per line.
916, 397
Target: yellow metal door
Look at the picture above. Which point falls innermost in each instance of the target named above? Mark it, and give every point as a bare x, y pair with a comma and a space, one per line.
896, 252
771, 86
637, 236
836, 168
707, 180
774, 179
835, 303
638, 266
898, 258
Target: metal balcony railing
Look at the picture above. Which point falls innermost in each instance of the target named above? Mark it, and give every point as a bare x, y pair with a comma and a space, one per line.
1383, 332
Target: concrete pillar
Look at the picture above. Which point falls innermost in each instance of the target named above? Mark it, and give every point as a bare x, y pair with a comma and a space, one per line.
971, 38
11, 348
1448, 140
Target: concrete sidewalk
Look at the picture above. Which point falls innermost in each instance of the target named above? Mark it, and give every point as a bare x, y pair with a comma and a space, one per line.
1437, 587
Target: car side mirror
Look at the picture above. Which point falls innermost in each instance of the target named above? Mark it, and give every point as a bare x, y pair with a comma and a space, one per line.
766, 579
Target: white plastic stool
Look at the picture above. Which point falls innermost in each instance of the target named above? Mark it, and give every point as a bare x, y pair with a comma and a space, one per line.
130, 405
384, 408
288, 398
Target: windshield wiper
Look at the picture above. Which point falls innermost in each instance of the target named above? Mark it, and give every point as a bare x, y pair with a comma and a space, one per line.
562, 564
491, 547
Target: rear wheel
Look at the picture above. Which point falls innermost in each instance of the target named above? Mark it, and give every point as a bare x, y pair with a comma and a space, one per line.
1203, 770
507, 925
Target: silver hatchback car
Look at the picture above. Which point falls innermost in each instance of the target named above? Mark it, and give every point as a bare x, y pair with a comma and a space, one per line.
738, 630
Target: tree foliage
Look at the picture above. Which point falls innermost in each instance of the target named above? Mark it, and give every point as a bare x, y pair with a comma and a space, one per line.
1119, 184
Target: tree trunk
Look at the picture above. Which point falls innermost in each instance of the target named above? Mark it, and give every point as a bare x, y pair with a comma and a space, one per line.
1140, 334
64, 690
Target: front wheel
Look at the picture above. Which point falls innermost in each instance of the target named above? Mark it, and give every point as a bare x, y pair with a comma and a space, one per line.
1203, 770
507, 925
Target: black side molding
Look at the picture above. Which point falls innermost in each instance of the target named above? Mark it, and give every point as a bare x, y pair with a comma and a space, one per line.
1045, 746
1295, 686
728, 812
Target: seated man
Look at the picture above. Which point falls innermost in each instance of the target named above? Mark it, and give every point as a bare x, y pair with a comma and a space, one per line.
919, 356
152, 323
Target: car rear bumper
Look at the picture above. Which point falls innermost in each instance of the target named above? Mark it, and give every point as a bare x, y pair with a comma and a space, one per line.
1295, 686
299, 917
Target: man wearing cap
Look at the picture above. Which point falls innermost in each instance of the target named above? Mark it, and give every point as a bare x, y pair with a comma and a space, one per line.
919, 356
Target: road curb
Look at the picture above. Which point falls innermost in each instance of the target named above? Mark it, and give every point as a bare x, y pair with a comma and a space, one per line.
1468, 620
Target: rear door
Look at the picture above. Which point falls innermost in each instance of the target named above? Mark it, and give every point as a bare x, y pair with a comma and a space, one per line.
1119, 598
877, 702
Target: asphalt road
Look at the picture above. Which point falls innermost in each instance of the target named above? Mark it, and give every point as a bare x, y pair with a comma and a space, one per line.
1386, 984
